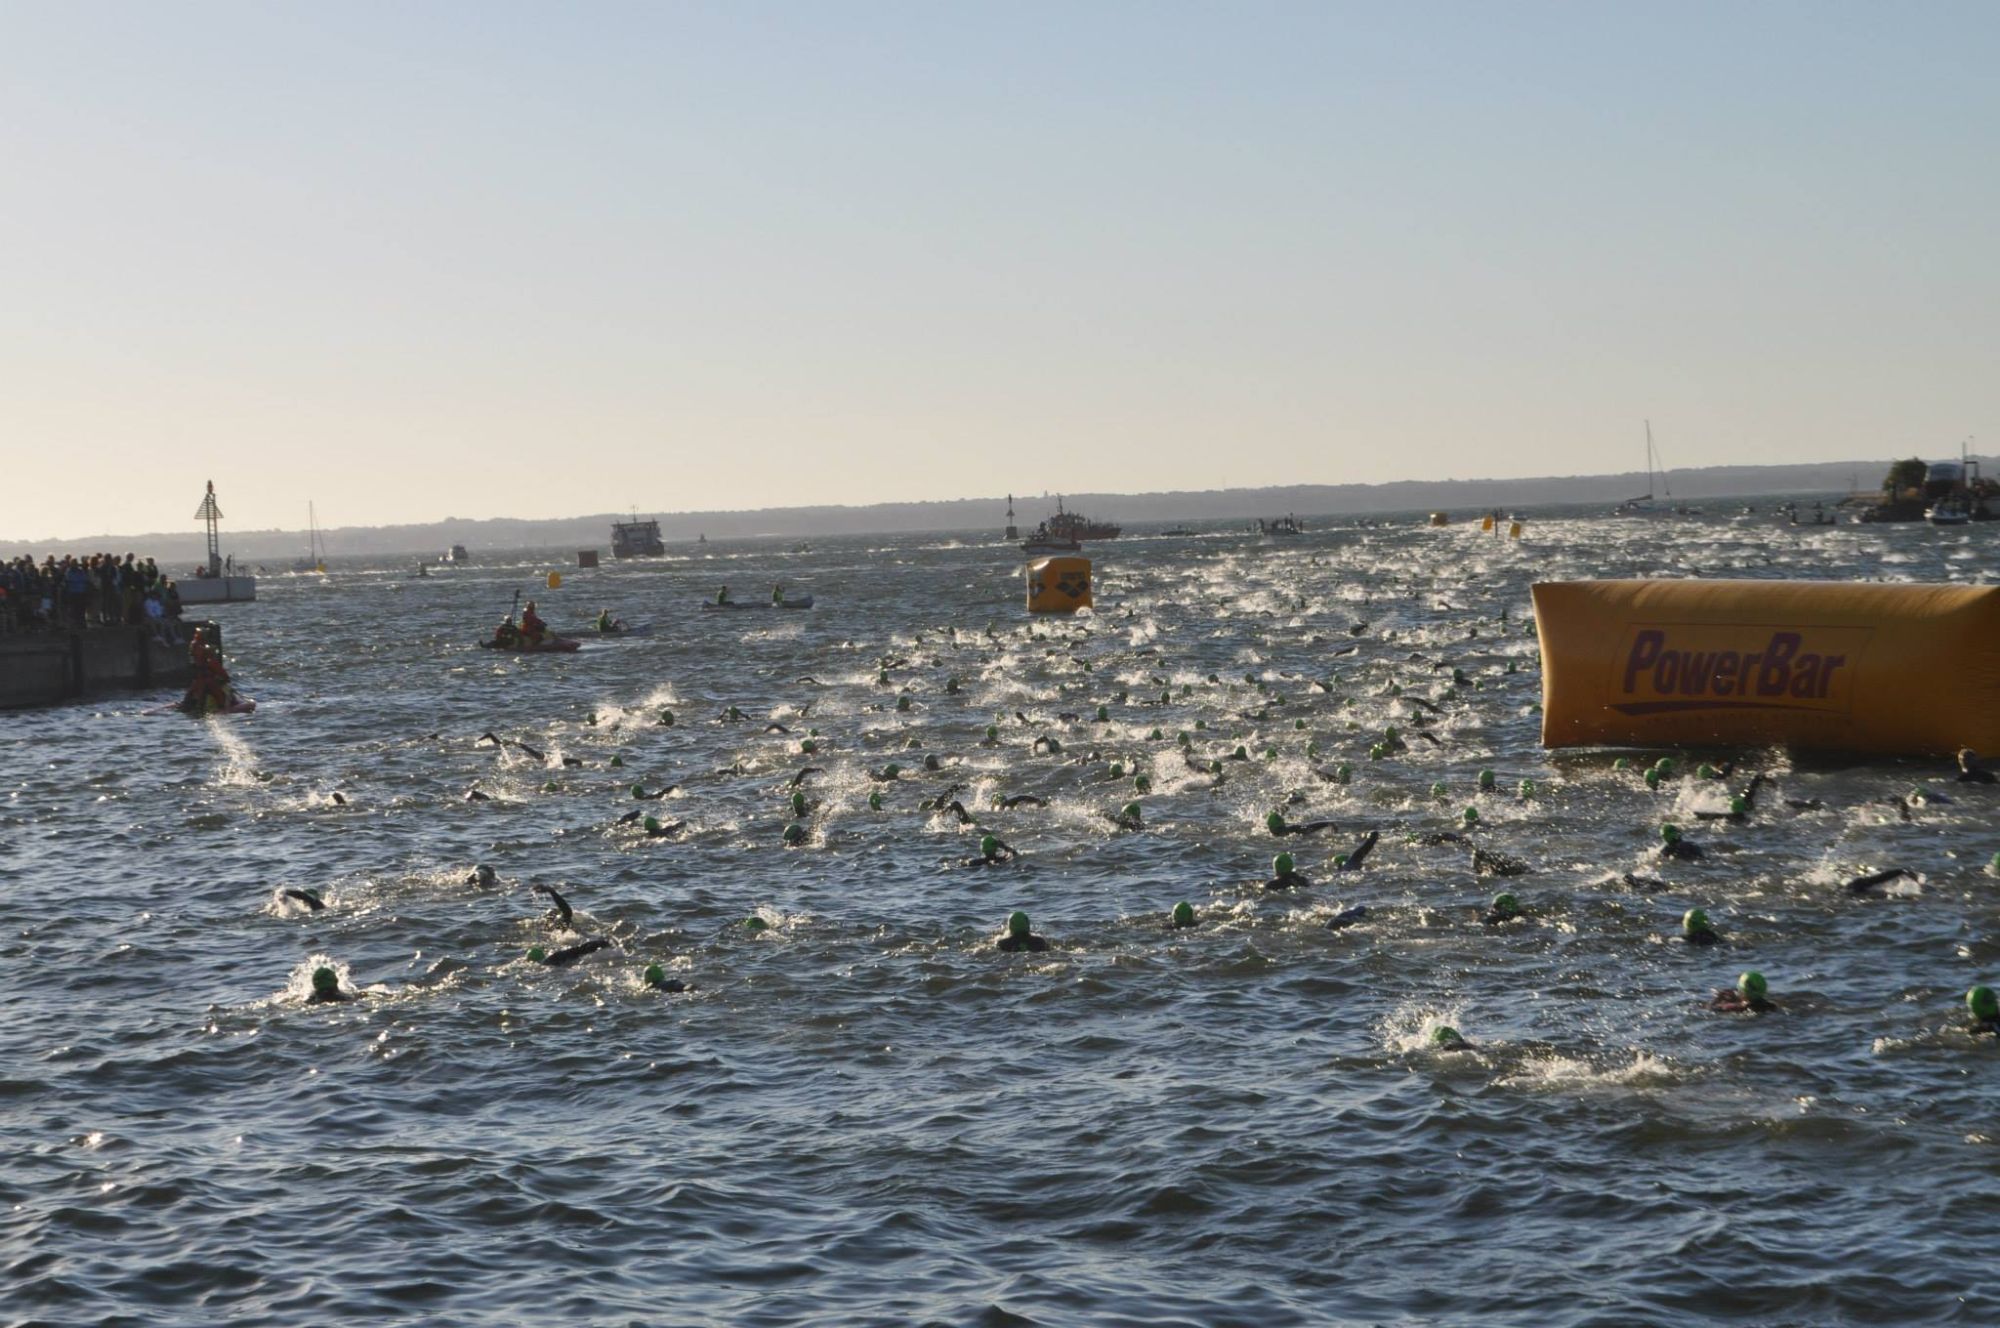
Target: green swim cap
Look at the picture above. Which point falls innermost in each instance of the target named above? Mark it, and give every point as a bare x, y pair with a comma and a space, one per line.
1377, 752
1447, 1036
1201, 723
1983, 1003
1670, 833
1506, 905
1751, 985
1017, 923
617, 762
931, 763
1652, 778
808, 747
326, 982
1184, 917
1055, 744
1340, 862
992, 732
1117, 770
1239, 754
1527, 788
753, 923
875, 800
1270, 753
1486, 781
655, 975
550, 786
1130, 811
1470, 816
666, 719
795, 833
1215, 768
1141, 784
1994, 865
1155, 736
798, 804
988, 846
891, 770
638, 790
1344, 774
1665, 765
1694, 922
1103, 714
1739, 806
536, 954
1275, 823
1184, 738
1298, 723
652, 823
1707, 771
903, 701
1621, 764
1282, 865
590, 718
1438, 790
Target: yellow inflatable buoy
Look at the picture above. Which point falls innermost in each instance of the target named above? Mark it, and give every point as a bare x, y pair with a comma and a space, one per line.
1514, 530
1059, 585
1486, 524
1834, 666
555, 580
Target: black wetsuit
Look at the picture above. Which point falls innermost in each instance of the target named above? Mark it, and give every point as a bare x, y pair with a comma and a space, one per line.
1360, 852
1861, 885
1303, 828
1681, 851
1017, 944
1288, 881
1347, 917
332, 997
1731, 1001
569, 954
1001, 857
562, 905
1023, 800
308, 898
1496, 864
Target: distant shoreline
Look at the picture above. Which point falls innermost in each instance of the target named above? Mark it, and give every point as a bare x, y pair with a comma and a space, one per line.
431, 539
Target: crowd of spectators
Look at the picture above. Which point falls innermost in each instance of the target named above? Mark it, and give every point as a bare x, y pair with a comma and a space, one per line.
101, 590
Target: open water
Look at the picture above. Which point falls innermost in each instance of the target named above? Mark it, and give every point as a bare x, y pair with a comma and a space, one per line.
863, 1113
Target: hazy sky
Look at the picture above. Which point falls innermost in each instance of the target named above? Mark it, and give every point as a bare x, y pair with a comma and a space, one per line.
418, 260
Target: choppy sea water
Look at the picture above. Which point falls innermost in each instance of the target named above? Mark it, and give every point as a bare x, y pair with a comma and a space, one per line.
863, 1113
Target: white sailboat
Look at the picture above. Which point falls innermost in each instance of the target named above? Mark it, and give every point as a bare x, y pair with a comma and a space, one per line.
315, 559
1645, 504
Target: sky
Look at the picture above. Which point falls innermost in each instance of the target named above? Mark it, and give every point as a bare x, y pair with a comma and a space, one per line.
407, 262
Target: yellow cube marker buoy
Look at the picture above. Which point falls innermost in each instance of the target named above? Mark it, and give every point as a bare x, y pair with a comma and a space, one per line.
555, 580
1059, 585
1514, 530
1440, 519
1486, 523
1815, 665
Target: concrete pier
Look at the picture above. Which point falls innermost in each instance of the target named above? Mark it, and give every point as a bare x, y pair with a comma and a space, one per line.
48, 668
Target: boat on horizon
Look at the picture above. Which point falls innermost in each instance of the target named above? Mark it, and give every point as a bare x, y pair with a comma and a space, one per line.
315, 559
1075, 526
1645, 504
636, 538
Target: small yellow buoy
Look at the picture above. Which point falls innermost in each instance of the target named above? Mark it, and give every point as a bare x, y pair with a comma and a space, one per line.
555, 580
1486, 523
1514, 531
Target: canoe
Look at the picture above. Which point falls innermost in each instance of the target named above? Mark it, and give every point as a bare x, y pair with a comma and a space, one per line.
800, 602
553, 645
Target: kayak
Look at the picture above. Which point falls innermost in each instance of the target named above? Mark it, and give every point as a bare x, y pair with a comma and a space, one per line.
802, 602
553, 645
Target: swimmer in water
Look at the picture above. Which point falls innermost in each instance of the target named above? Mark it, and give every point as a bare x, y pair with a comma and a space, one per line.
1285, 874
1182, 916
474, 795
1347, 917
1746, 997
656, 978
1278, 825
569, 954
1496, 864
1504, 910
326, 988
1677, 848
1861, 885
639, 793
482, 875
309, 898
1128, 817
655, 830
1018, 936
1969, 769
800, 777
562, 905
992, 853
1984, 1007
1696, 929
1352, 860
1023, 800
1447, 1038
